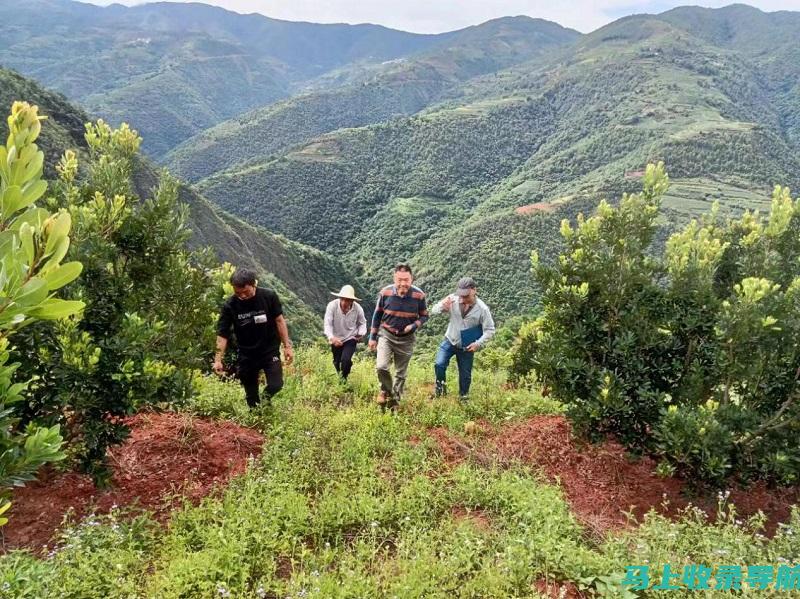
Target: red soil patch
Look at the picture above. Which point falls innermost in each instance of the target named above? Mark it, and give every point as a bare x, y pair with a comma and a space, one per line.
600, 482
476, 517
537, 207
775, 503
558, 590
166, 458
452, 452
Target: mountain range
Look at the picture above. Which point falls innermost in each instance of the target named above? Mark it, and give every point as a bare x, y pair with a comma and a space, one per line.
458, 152
175, 69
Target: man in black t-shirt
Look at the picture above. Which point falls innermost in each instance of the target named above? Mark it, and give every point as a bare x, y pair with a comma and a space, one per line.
255, 317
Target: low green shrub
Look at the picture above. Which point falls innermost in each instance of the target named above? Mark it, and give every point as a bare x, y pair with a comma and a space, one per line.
692, 354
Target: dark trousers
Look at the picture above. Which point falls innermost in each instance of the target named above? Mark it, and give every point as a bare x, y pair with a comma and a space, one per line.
343, 357
249, 369
464, 359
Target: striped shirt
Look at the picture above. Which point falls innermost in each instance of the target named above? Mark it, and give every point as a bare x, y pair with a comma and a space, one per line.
394, 312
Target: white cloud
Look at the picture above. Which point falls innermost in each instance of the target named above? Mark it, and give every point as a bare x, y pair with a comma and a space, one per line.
434, 16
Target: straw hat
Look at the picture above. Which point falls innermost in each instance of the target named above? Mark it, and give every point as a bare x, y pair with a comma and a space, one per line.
347, 292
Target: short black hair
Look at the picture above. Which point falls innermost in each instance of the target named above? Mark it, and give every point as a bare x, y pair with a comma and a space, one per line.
243, 277
403, 267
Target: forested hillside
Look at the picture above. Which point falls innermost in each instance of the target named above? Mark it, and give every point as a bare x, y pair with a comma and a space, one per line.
472, 184
302, 275
459, 152
360, 95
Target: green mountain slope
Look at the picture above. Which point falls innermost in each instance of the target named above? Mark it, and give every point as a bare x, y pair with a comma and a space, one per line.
174, 69
362, 95
303, 276
475, 183
296, 269
768, 40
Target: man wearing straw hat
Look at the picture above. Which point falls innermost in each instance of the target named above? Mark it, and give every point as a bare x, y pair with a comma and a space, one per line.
345, 325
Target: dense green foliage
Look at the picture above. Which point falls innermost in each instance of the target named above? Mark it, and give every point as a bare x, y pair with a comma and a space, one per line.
694, 354
476, 181
33, 244
346, 502
149, 304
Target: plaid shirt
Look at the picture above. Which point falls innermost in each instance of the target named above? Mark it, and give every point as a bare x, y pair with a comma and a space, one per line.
394, 312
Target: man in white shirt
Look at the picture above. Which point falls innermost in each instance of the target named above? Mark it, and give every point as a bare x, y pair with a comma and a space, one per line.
345, 326
471, 326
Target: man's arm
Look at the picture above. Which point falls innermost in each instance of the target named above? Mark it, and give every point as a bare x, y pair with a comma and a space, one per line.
443, 305
224, 324
283, 331
361, 322
423, 312
487, 323
222, 345
376, 322
328, 325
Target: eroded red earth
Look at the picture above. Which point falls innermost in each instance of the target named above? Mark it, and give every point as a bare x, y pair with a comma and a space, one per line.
171, 456
600, 482
167, 457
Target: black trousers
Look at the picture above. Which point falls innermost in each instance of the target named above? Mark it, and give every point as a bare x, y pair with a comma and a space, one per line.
343, 357
249, 369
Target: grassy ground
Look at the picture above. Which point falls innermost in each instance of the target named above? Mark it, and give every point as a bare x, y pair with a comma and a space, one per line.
694, 198
347, 501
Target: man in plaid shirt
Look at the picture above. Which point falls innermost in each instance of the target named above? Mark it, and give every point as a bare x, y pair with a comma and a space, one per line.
399, 312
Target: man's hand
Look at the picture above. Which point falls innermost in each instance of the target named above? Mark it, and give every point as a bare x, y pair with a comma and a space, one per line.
409, 328
219, 369
447, 303
373, 345
473, 347
288, 354
335, 341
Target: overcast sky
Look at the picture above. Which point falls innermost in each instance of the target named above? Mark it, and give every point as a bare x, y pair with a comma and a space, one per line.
435, 16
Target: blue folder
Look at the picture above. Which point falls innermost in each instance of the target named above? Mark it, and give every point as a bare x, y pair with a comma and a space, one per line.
471, 335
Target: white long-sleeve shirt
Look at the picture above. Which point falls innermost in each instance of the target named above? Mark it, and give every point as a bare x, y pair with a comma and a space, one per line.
344, 326
479, 314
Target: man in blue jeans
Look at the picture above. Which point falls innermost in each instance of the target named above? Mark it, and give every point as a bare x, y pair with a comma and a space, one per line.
471, 326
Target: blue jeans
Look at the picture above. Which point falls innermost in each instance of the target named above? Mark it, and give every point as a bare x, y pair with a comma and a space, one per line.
464, 360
